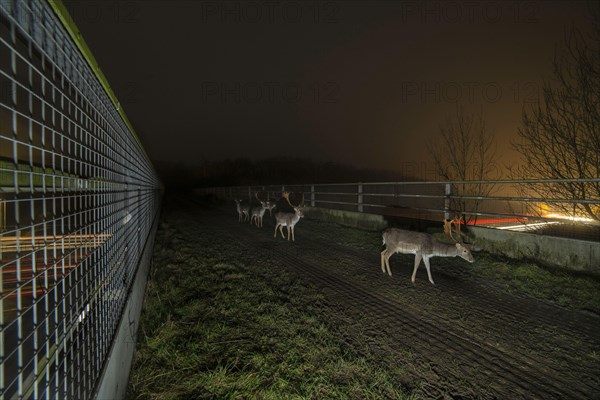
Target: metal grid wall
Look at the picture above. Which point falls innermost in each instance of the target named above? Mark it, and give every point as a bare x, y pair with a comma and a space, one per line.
78, 209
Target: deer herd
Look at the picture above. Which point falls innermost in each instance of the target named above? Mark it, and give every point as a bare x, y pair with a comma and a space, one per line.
284, 217
422, 245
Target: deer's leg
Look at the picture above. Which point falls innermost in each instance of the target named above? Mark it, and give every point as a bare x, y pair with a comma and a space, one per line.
293, 236
383, 253
385, 258
387, 262
276, 226
426, 261
281, 231
418, 257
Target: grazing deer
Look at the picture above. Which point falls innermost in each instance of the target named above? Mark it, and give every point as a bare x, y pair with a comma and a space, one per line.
243, 210
259, 212
422, 245
289, 219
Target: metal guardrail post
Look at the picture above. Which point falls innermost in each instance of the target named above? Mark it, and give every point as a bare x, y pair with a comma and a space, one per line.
312, 195
448, 193
360, 197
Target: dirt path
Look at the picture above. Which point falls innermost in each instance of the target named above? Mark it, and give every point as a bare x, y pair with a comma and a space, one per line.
464, 337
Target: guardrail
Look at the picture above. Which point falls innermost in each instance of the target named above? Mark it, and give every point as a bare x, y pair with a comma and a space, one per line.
503, 204
79, 201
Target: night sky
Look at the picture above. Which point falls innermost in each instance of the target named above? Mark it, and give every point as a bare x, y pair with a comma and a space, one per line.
365, 83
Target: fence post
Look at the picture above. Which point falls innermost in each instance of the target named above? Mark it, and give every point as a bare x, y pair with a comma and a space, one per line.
282, 189
312, 195
360, 197
447, 201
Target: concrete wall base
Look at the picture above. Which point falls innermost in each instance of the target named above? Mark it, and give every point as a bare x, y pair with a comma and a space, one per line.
577, 255
354, 219
115, 376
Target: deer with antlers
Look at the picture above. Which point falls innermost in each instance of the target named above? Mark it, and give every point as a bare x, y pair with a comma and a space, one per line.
259, 212
422, 245
289, 219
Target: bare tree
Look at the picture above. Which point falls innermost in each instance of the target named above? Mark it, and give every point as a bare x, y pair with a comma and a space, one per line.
560, 134
464, 150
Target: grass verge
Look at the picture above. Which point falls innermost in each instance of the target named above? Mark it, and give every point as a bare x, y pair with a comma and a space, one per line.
213, 327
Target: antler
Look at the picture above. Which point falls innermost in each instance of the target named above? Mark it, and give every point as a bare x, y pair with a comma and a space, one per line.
448, 228
257, 198
286, 196
457, 221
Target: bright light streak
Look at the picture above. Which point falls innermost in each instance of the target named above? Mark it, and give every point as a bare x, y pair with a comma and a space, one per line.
524, 227
570, 218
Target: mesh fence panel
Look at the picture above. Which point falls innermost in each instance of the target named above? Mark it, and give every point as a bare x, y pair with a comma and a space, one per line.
79, 201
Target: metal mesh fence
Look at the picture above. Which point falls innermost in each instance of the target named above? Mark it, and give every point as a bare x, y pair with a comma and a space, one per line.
78, 208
